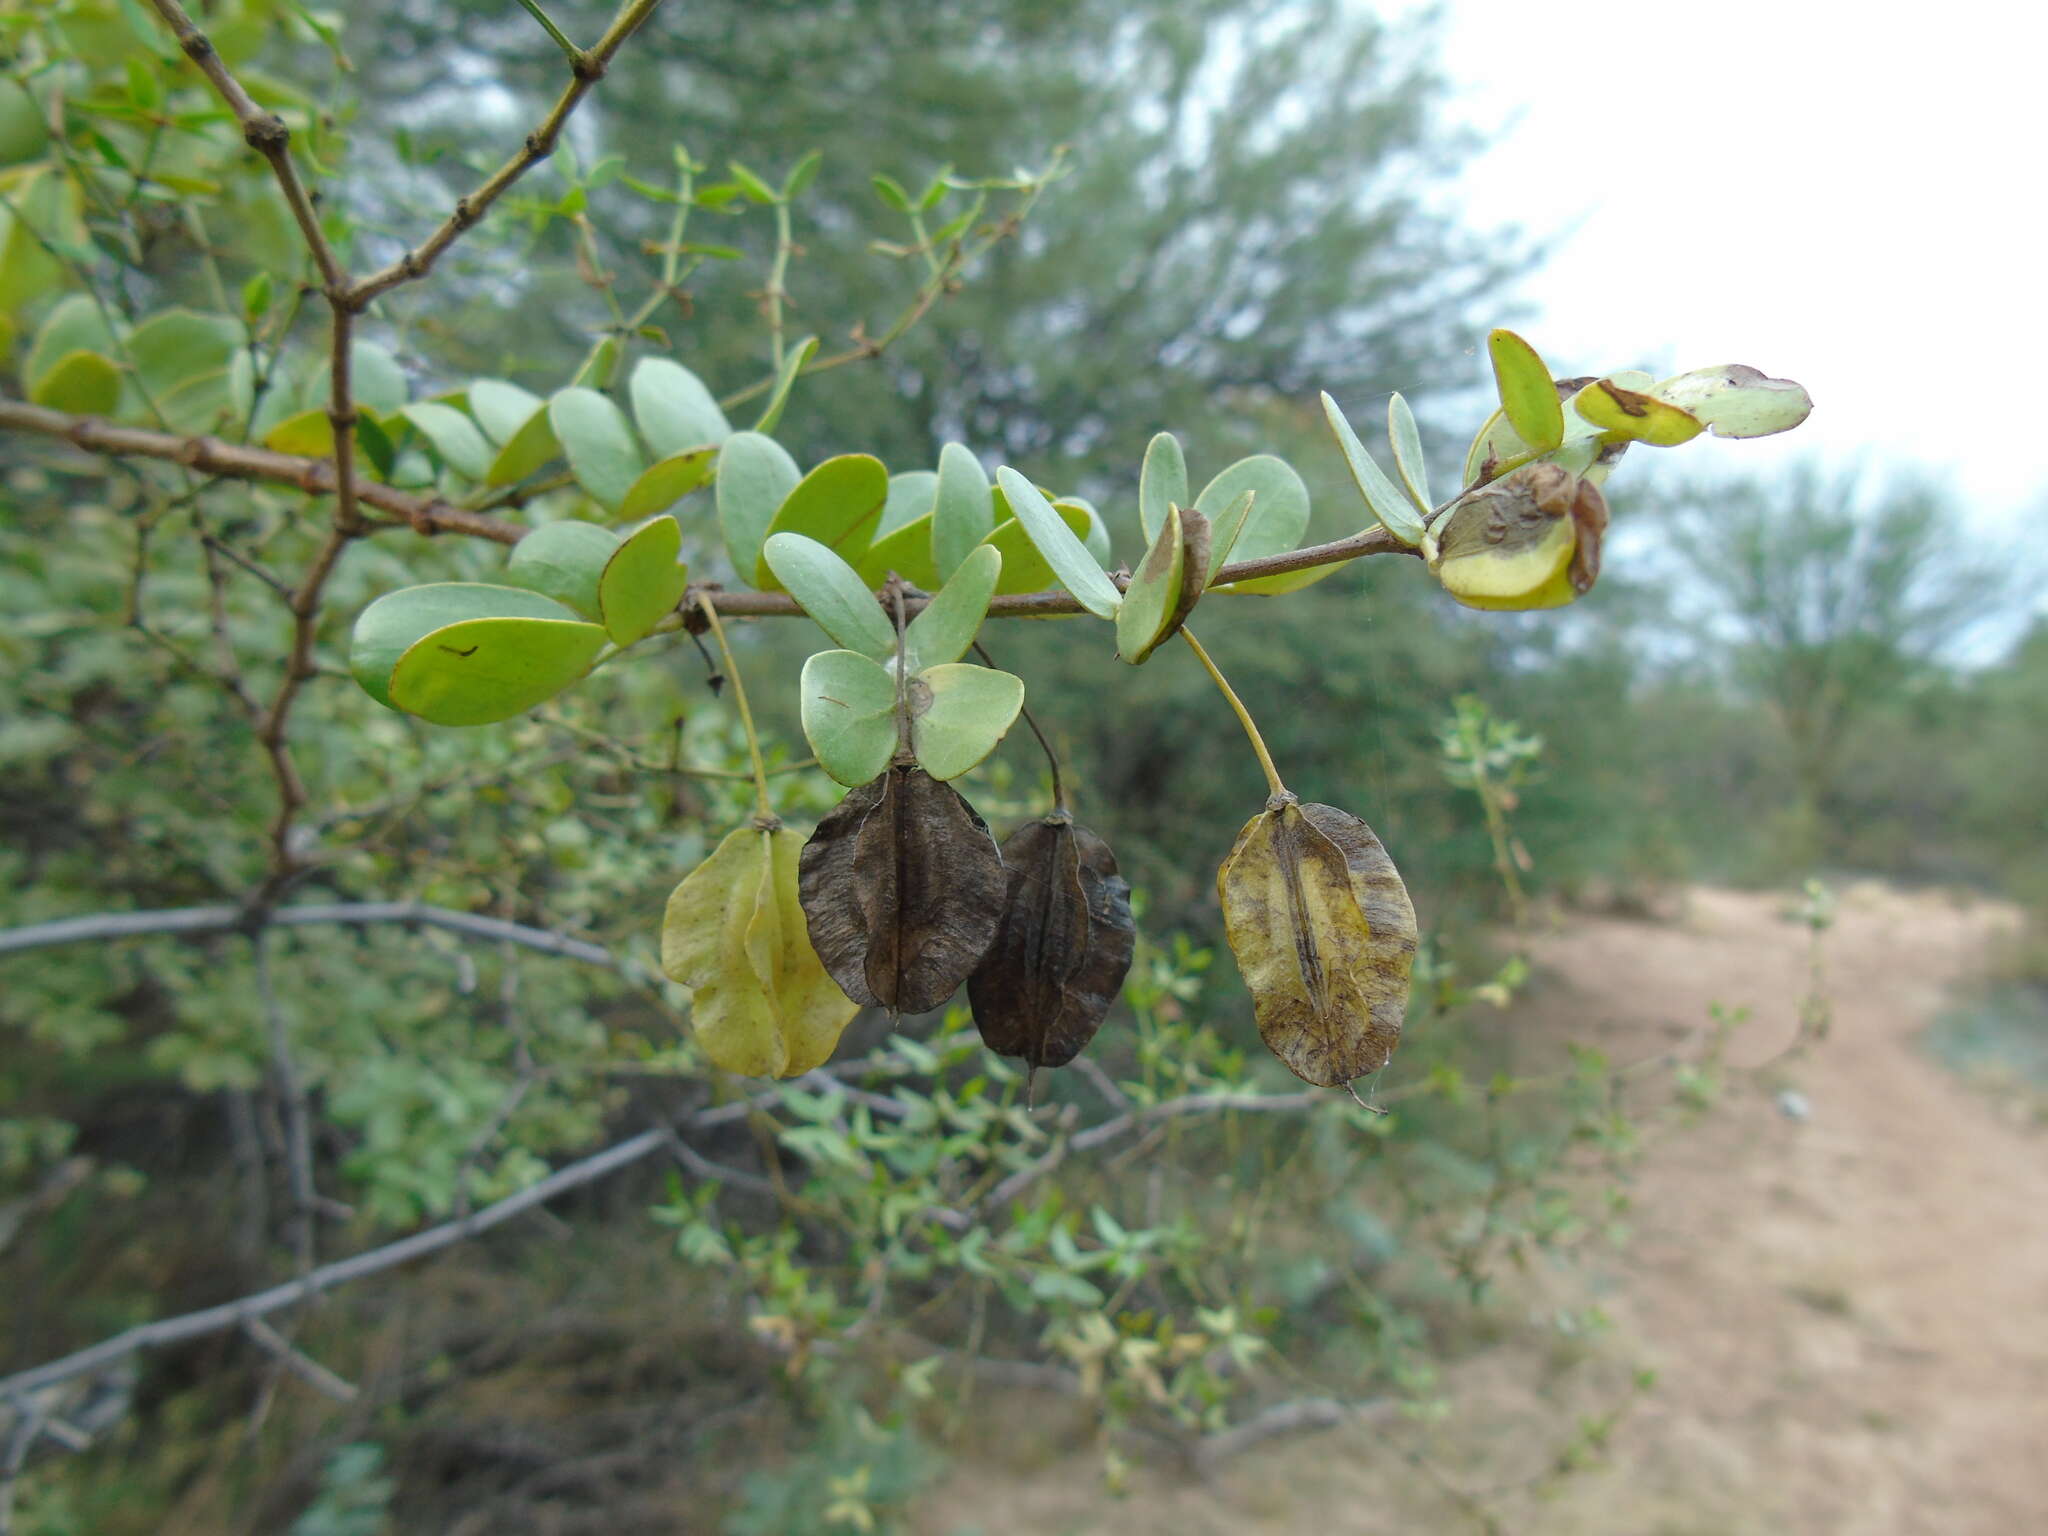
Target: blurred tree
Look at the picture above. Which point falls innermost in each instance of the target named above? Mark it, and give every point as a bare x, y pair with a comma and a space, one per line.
1832, 604
1251, 215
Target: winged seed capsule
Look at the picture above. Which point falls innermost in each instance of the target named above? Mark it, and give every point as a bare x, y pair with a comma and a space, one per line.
1064, 947
902, 888
1325, 936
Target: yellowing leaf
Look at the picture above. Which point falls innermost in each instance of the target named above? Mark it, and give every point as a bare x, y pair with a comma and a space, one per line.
1529, 540
1325, 936
761, 1003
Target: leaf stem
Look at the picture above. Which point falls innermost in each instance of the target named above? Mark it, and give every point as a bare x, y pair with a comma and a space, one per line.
1244, 716
1052, 759
739, 695
548, 26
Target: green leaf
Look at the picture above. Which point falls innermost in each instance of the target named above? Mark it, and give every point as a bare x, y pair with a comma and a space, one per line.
375, 380
911, 497
1526, 391
74, 324
526, 450
1225, 531
1395, 511
371, 439
1090, 526
485, 670
664, 484
802, 174
565, 561
177, 346
1629, 415
309, 434
83, 383
963, 512
947, 626
958, 713
643, 581
906, 550
829, 590
1024, 568
501, 409
755, 476
1278, 515
753, 186
847, 702
1406, 439
1162, 482
837, 503
1066, 554
1736, 400
792, 364
454, 435
673, 408
599, 444
890, 191
204, 403
397, 621
1149, 601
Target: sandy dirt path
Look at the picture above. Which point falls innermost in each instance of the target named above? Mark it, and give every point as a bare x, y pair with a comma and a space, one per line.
1848, 1315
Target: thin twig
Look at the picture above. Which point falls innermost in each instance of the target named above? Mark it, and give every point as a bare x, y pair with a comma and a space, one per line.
307, 1369
587, 69
227, 919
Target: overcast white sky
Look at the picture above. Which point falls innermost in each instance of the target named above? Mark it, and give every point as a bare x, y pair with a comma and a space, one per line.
1847, 195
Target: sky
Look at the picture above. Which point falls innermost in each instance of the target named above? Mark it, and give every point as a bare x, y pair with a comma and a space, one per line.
1831, 193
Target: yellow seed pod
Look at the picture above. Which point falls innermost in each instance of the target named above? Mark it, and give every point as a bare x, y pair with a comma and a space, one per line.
1529, 540
761, 1003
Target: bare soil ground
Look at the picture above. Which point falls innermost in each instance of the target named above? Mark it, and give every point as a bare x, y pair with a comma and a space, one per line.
1847, 1314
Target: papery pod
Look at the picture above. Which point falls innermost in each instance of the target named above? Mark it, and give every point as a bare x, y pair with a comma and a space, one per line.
1324, 934
902, 888
734, 932
1063, 948
1528, 540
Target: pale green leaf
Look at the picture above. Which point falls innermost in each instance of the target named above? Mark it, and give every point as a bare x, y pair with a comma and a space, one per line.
74, 324
829, 590
1066, 554
907, 552
950, 621
1162, 482
957, 715
1736, 400
565, 561
375, 381
1390, 505
793, 361
501, 409
178, 346
600, 447
1278, 516
674, 410
455, 437
847, 702
1406, 439
963, 512
911, 497
643, 581
755, 475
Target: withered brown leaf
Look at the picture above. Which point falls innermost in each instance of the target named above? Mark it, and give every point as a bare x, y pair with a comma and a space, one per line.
1063, 949
1325, 935
902, 888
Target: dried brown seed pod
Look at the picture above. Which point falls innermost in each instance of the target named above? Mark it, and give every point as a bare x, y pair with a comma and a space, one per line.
902, 887
1325, 935
1063, 949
